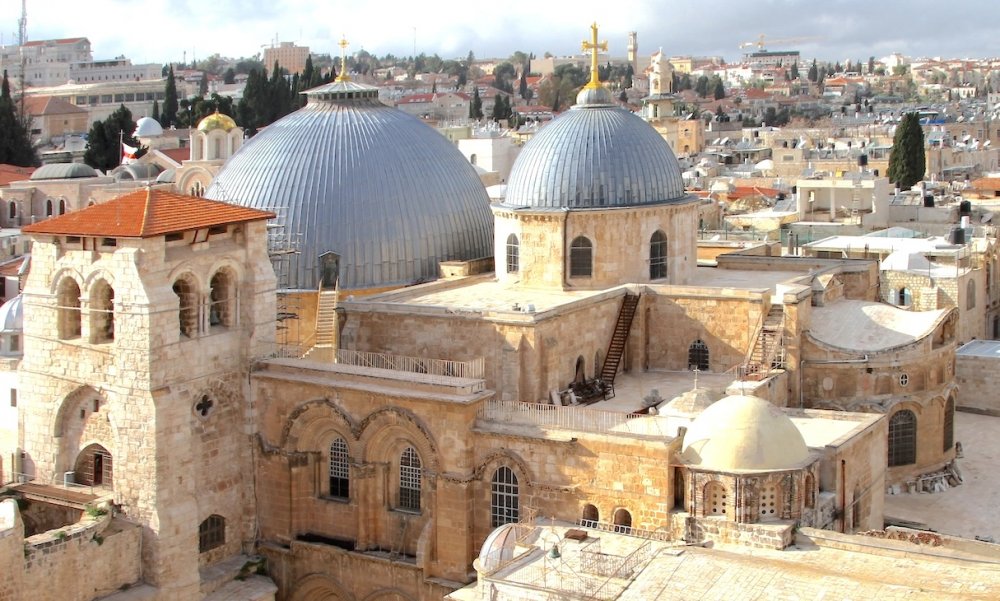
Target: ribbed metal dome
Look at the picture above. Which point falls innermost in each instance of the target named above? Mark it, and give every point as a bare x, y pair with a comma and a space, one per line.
595, 156
347, 174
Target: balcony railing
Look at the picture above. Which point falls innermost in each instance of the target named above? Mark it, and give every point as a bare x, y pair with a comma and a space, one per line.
578, 419
436, 367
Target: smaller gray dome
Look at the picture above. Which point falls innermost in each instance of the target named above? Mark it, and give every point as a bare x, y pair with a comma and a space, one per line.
136, 172
147, 127
167, 177
63, 171
594, 96
12, 316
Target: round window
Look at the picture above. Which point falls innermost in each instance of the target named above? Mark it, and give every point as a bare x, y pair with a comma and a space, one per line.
904, 379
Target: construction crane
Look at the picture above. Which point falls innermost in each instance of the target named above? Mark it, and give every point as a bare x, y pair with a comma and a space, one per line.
763, 41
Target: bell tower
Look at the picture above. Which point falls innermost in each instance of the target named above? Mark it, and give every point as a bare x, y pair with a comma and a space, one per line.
143, 314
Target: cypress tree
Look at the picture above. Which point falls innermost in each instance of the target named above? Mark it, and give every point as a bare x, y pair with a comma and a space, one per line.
169, 115
156, 110
15, 135
907, 161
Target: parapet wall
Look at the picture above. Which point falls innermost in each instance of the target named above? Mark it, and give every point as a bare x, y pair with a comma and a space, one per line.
94, 557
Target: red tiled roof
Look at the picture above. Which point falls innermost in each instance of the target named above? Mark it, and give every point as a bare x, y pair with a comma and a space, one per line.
416, 99
145, 214
991, 184
12, 268
59, 41
178, 155
13, 173
49, 105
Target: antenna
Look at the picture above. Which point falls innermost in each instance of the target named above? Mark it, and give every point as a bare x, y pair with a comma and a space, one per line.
22, 38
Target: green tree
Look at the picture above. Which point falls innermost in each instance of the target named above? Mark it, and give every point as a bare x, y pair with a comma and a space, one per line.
701, 87
871, 64
719, 89
795, 72
907, 161
522, 86
229, 77
203, 84
169, 115
156, 110
103, 141
15, 135
813, 72
476, 106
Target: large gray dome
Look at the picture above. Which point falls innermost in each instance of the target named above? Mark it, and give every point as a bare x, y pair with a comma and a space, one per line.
595, 156
347, 174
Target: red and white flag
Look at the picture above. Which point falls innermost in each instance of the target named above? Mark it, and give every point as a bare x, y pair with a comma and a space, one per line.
128, 154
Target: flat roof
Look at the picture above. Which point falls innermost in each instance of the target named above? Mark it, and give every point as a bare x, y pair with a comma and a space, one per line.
980, 348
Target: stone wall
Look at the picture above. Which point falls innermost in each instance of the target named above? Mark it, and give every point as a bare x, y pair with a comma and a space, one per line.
764, 536
11, 551
978, 380
79, 562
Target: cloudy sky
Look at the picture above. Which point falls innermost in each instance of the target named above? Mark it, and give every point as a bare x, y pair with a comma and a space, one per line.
833, 30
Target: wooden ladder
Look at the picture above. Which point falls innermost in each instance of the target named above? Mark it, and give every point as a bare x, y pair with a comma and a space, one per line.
616, 348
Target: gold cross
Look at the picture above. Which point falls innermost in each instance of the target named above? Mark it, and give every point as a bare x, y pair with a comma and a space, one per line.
594, 46
343, 59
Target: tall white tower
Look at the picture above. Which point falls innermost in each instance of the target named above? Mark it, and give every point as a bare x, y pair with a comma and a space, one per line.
633, 52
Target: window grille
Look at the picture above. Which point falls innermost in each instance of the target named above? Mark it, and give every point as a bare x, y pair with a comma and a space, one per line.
902, 438
658, 256
211, 533
339, 469
581, 260
504, 499
409, 480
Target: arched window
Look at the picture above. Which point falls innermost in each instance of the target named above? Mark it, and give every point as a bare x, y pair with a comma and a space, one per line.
810, 491
590, 516
340, 482
102, 313
69, 309
904, 298
623, 521
505, 505
187, 314
94, 467
970, 294
513, 254
48, 207
221, 298
949, 424
473, 158
714, 502
581, 258
658, 256
62, 206
698, 356
410, 477
211, 533
12, 210
902, 438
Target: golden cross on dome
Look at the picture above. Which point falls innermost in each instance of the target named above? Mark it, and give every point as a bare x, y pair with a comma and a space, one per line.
343, 59
594, 46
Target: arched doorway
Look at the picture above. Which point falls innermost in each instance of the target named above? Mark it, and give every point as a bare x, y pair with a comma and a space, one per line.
94, 467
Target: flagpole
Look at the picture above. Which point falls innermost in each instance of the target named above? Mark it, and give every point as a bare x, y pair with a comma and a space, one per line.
121, 146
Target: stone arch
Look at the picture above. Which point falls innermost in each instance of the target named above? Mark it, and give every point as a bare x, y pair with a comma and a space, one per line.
623, 520
319, 587
223, 297
508, 458
381, 432
809, 491
389, 594
187, 288
310, 421
590, 515
581, 257
715, 501
194, 175
101, 309
93, 466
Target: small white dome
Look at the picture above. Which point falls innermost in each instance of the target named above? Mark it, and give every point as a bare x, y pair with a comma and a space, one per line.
12, 315
147, 127
744, 434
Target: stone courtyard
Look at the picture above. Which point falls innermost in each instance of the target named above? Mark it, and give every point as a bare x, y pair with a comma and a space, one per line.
968, 510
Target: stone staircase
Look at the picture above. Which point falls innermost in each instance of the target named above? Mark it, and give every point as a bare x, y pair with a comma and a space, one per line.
325, 340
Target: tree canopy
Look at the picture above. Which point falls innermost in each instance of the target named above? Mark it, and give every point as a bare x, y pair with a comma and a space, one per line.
168, 115
103, 148
15, 136
907, 161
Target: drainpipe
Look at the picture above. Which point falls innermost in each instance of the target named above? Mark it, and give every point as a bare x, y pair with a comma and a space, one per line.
843, 496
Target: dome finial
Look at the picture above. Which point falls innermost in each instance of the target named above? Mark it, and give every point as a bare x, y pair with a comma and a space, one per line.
343, 59
594, 47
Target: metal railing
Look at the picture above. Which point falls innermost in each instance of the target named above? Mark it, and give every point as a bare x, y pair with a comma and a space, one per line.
473, 369
579, 419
